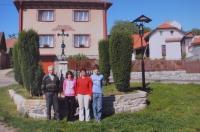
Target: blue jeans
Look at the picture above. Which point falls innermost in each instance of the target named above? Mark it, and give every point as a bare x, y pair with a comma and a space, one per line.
97, 105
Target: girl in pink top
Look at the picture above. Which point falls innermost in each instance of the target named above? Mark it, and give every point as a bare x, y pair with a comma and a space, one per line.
69, 88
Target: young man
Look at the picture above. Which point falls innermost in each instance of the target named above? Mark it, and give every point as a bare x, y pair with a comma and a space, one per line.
51, 92
97, 80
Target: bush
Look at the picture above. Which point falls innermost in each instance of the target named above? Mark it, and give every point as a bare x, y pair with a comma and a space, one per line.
183, 55
138, 57
120, 50
104, 63
16, 62
78, 57
29, 59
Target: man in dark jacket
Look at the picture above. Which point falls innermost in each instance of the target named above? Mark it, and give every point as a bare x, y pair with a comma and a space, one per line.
51, 92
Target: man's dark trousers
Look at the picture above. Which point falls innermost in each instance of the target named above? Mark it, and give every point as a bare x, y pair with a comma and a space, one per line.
52, 98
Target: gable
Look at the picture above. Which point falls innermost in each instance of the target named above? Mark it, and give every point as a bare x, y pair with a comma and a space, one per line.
2, 41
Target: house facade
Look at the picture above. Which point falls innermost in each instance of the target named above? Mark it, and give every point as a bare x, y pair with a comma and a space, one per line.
3, 50
165, 41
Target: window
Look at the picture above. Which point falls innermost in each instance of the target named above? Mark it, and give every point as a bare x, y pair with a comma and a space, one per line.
163, 50
171, 32
46, 40
160, 33
81, 41
81, 16
44, 15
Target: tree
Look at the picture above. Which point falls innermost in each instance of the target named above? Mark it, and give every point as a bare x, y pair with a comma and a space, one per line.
17, 70
196, 31
120, 25
120, 50
12, 35
104, 64
29, 57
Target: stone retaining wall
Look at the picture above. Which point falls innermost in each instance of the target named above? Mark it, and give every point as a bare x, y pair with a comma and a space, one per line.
166, 75
111, 104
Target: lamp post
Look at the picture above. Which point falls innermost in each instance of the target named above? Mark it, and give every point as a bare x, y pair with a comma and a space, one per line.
63, 57
140, 23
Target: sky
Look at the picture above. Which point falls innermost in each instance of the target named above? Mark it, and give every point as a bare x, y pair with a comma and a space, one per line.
185, 12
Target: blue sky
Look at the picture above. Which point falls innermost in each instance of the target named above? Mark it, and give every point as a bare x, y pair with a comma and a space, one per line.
185, 12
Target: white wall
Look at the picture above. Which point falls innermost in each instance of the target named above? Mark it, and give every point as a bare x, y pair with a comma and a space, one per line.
133, 54
173, 49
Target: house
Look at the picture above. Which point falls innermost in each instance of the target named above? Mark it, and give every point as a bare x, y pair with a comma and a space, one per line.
194, 50
165, 41
137, 45
3, 50
10, 44
85, 21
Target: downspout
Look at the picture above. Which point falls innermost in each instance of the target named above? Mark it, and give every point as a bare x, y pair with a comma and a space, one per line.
20, 16
104, 22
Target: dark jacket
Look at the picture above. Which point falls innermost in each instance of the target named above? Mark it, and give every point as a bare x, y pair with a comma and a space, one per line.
49, 85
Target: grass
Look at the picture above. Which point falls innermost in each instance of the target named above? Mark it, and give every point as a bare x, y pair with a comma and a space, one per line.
11, 71
171, 107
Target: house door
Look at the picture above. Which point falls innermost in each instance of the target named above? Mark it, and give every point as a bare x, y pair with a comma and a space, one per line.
47, 61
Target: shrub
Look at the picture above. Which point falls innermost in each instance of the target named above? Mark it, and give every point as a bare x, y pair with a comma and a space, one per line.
104, 63
138, 57
183, 55
78, 57
29, 58
120, 52
16, 62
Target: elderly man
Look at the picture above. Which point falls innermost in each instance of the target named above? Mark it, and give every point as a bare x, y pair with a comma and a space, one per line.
51, 92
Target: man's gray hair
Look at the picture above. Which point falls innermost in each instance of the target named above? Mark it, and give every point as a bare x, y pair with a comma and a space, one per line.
50, 68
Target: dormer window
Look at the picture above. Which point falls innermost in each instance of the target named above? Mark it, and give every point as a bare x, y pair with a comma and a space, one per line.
171, 32
160, 33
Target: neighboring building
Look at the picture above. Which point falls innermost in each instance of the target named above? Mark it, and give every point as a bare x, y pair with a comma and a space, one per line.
10, 44
3, 50
165, 41
137, 45
84, 20
194, 50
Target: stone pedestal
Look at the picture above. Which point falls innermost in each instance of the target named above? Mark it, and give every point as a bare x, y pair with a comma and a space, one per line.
63, 68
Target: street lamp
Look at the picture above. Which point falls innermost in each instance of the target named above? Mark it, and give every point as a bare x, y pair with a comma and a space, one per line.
140, 23
63, 57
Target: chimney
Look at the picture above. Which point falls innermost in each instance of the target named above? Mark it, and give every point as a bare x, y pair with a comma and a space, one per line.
167, 22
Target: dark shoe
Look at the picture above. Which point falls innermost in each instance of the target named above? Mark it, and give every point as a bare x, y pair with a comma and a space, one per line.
58, 119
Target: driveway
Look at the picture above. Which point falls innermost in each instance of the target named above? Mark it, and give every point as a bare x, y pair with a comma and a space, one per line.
6, 80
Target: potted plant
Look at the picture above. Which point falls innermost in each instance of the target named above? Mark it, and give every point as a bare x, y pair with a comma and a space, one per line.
46, 45
81, 45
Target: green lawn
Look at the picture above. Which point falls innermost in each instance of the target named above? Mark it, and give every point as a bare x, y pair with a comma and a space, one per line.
171, 107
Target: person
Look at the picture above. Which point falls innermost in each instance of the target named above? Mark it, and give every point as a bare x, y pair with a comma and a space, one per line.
84, 95
69, 88
97, 94
51, 92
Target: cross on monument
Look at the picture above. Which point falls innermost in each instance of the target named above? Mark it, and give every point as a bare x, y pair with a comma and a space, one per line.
63, 44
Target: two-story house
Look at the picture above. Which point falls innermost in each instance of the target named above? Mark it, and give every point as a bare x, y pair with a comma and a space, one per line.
85, 21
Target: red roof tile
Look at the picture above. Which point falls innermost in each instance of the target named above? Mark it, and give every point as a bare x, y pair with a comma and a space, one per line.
172, 39
10, 42
137, 41
165, 26
196, 41
190, 34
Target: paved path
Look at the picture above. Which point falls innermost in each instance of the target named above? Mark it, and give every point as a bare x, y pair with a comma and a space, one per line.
6, 80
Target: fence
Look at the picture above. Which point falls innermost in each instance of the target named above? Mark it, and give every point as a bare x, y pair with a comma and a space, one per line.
159, 65
76, 65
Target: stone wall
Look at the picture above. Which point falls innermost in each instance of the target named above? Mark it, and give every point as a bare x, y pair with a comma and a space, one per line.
111, 104
166, 75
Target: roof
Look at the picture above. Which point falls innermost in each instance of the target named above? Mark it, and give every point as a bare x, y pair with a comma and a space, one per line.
10, 42
196, 41
137, 41
2, 41
190, 34
63, 4
172, 39
165, 26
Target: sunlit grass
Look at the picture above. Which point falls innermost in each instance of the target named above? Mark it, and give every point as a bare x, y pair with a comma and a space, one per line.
171, 107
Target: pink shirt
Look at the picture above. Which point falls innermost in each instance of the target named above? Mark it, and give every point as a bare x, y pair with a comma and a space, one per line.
69, 87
